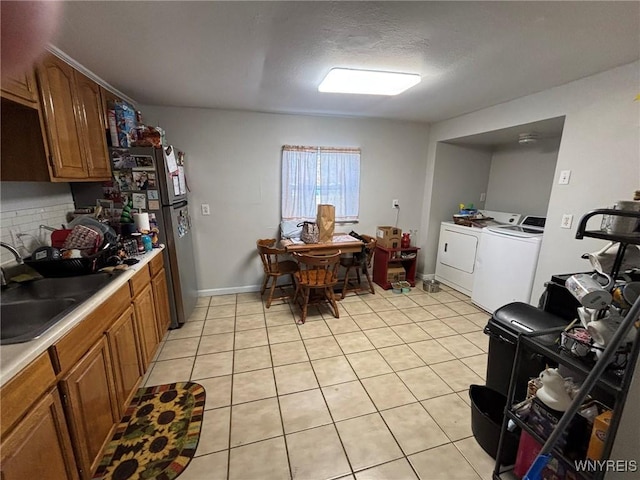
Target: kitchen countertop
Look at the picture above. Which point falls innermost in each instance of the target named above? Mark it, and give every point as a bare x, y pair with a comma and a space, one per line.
14, 358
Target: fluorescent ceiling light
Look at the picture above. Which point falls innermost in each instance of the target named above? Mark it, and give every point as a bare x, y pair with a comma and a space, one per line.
367, 82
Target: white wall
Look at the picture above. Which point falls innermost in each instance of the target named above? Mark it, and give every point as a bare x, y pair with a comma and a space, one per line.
234, 165
521, 177
601, 146
460, 175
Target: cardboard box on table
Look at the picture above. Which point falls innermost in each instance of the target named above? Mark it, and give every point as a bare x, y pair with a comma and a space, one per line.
388, 237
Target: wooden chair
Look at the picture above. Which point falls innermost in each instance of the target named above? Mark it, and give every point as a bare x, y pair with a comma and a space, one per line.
356, 263
317, 274
274, 268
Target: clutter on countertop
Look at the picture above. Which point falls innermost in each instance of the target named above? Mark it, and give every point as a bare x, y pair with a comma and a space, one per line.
470, 216
467, 209
93, 239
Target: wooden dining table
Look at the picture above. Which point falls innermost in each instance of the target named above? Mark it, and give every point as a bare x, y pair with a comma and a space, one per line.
341, 241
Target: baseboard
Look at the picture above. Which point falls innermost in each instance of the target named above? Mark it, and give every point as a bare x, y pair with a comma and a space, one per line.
426, 276
210, 292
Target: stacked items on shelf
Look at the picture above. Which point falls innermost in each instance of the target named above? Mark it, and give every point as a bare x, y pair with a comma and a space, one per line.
127, 130
602, 353
547, 398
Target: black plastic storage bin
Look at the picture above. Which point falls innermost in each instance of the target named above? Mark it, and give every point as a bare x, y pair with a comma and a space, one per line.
487, 411
557, 300
503, 329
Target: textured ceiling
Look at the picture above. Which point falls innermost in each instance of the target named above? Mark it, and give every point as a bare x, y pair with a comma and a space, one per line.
270, 56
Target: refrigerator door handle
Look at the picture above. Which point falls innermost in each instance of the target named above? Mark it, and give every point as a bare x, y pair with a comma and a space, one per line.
181, 204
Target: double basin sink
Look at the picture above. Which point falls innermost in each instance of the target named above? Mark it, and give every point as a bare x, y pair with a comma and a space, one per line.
27, 310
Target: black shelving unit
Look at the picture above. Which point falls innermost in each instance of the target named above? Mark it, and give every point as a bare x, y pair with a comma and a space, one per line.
616, 385
625, 239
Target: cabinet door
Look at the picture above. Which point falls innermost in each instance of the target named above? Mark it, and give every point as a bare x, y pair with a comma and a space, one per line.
62, 120
22, 89
91, 406
146, 325
94, 132
39, 446
123, 348
161, 302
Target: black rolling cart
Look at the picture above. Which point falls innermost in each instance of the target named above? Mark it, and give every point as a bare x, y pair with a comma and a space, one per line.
615, 383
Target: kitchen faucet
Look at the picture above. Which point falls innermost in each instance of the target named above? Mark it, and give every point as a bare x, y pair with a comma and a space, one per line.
16, 255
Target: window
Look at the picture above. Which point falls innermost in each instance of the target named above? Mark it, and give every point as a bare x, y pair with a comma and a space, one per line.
320, 175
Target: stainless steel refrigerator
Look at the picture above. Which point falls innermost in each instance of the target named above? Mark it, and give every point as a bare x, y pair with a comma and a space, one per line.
153, 179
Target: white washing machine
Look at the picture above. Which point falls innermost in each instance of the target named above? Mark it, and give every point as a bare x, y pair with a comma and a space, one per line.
506, 263
457, 248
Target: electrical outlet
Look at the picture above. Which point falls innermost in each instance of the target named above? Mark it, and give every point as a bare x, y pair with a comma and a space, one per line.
565, 175
567, 219
205, 209
395, 203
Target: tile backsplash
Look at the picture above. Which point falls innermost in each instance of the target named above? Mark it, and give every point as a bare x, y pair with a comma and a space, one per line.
27, 205
26, 222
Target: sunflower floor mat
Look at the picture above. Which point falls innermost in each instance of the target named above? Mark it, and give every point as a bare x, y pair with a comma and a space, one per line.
158, 435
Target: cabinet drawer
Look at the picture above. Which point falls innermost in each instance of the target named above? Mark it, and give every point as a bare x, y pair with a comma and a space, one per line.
21, 392
66, 352
156, 264
139, 281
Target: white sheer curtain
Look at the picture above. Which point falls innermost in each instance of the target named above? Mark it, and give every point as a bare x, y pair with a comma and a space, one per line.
315, 175
339, 182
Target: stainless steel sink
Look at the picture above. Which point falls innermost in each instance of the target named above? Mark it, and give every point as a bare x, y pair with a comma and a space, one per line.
70, 287
26, 320
30, 309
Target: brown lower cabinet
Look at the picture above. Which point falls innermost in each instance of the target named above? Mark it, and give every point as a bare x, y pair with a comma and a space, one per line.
91, 405
161, 302
60, 411
124, 351
40, 446
146, 324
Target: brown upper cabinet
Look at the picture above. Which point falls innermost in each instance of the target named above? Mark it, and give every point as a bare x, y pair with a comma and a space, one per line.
74, 121
57, 131
22, 89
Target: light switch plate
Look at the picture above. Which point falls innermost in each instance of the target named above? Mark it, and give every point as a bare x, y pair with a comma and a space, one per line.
565, 176
567, 219
205, 209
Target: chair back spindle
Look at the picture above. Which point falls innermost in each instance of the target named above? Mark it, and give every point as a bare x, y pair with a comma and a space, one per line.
317, 274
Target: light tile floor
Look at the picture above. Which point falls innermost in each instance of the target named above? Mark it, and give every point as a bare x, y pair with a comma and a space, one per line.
379, 393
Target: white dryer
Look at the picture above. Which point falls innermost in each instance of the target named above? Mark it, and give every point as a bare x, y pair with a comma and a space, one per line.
457, 249
506, 263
